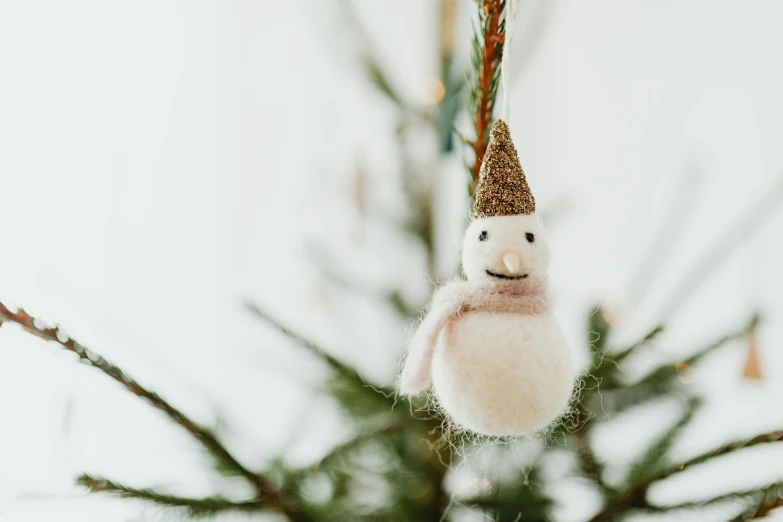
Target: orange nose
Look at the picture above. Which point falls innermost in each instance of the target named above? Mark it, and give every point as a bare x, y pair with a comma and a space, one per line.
512, 261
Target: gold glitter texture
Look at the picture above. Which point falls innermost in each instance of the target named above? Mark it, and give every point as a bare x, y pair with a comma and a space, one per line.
502, 188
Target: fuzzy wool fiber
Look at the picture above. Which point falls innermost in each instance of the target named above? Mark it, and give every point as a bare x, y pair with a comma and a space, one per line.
490, 346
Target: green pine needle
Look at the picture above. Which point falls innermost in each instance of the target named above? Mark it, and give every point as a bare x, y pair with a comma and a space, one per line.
646, 466
194, 507
765, 438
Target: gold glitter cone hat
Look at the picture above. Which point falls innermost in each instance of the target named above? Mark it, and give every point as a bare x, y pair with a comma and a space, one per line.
502, 188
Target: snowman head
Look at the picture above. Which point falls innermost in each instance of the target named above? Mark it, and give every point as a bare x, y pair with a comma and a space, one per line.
505, 241
505, 248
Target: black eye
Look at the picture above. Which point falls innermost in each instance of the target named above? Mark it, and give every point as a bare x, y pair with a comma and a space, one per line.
530, 237
483, 236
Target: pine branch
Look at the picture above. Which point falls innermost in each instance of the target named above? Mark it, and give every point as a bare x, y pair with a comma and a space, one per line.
599, 327
203, 435
765, 438
322, 354
608, 368
640, 478
393, 298
649, 336
650, 460
598, 330
335, 364
368, 60
760, 500
358, 397
766, 500
521, 501
379, 79
619, 397
590, 466
487, 54
342, 450
195, 507
758, 495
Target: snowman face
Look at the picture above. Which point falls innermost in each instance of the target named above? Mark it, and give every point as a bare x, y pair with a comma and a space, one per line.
502, 248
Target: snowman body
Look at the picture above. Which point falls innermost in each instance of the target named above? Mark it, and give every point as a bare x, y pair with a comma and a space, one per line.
491, 346
497, 368
503, 373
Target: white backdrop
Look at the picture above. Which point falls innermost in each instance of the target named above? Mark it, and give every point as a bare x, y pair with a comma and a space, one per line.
160, 161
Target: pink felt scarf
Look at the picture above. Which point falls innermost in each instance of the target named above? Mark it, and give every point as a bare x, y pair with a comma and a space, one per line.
524, 297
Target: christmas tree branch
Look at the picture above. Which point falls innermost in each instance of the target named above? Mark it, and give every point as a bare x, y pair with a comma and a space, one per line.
487, 54
650, 460
649, 336
521, 499
767, 500
746, 495
588, 463
762, 501
619, 397
342, 450
765, 438
299, 339
335, 364
195, 507
666, 371
200, 433
598, 330
367, 59
393, 298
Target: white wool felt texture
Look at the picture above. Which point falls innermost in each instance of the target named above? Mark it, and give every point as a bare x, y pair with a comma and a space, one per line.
526, 296
503, 374
417, 372
504, 234
498, 373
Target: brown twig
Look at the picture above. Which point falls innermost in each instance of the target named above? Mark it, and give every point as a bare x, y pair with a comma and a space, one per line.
334, 363
588, 463
491, 54
763, 510
636, 498
765, 438
342, 450
266, 494
762, 498
194, 506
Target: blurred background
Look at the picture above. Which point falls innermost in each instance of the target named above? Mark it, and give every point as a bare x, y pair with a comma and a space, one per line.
164, 163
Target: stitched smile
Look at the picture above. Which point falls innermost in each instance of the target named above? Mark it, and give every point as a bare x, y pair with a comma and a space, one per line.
503, 276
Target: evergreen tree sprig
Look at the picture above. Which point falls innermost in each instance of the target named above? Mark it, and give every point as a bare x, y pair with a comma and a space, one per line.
265, 492
345, 371
752, 497
194, 507
484, 78
764, 438
765, 501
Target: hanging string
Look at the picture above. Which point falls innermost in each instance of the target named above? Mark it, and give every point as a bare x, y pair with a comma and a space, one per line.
511, 12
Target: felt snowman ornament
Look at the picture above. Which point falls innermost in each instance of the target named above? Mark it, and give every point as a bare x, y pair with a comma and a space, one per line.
490, 346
